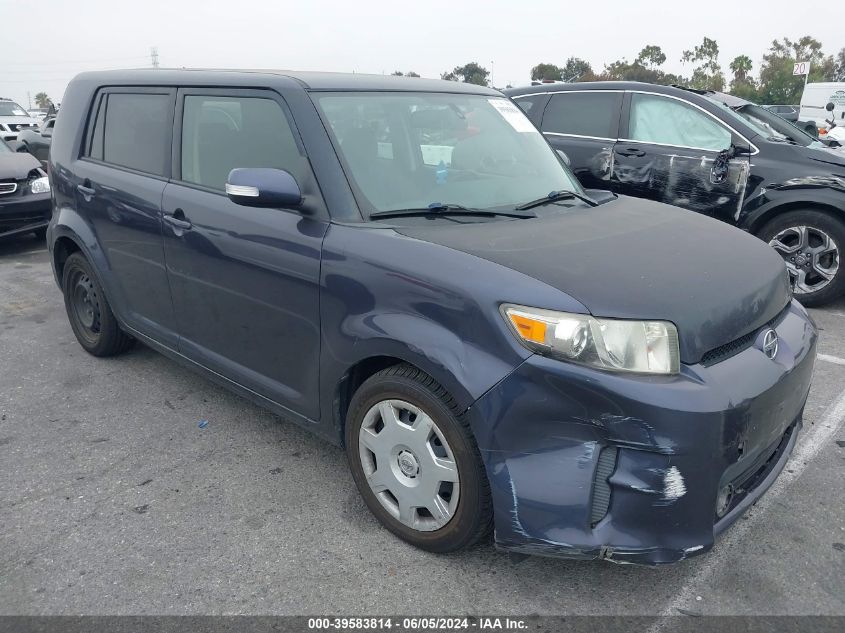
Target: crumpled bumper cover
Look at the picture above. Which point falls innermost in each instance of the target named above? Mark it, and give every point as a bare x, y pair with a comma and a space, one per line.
675, 442
20, 214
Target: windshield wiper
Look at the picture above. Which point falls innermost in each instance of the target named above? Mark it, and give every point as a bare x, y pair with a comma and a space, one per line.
439, 208
554, 196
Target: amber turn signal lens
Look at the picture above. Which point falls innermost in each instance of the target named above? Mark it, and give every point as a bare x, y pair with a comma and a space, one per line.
529, 329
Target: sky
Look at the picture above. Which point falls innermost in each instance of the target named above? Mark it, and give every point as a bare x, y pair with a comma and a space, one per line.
63, 37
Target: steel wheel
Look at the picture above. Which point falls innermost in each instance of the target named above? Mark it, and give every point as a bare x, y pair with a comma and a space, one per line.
811, 256
409, 465
86, 304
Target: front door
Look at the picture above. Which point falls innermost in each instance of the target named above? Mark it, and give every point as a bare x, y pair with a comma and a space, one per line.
675, 152
245, 281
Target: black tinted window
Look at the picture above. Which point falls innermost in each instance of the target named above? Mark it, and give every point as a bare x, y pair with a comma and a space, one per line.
137, 131
531, 104
583, 113
220, 134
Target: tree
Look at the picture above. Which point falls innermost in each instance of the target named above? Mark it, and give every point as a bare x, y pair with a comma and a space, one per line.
777, 83
399, 73
42, 100
411, 73
546, 72
651, 56
708, 74
471, 73
577, 69
742, 84
839, 66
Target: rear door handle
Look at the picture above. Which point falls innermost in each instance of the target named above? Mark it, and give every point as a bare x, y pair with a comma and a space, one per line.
631, 151
178, 220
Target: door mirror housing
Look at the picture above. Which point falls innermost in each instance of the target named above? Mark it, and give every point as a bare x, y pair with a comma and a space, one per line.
263, 187
740, 149
562, 155
17, 146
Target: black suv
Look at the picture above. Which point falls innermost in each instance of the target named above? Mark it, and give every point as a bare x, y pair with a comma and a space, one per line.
691, 150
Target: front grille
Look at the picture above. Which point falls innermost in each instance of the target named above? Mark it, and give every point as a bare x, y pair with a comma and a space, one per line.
601, 488
8, 187
726, 351
17, 127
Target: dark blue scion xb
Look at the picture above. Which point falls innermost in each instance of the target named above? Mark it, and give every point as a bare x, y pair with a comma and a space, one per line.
408, 269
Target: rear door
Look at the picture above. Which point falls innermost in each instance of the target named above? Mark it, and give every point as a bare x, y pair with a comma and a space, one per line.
669, 151
122, 173
584, 125
245, 281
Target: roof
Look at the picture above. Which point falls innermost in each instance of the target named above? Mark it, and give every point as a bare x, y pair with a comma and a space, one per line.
310, 80
586, 85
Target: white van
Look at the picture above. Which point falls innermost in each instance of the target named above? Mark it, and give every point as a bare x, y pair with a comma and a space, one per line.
816, 96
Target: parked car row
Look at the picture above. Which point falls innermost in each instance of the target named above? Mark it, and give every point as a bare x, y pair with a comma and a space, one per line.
406, 268
694, 150
13, 119
25, 204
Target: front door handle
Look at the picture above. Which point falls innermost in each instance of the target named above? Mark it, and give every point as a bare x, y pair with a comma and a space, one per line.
631, 152
178, 220
85, 191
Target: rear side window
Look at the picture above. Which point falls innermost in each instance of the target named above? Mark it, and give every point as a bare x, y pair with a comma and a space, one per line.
133, 130
220, 134
593, 113
532, 105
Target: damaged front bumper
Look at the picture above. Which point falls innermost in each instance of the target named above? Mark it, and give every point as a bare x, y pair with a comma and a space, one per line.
588, 464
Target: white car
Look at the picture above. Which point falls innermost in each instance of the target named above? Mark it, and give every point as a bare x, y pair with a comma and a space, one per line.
814, 102
13, 119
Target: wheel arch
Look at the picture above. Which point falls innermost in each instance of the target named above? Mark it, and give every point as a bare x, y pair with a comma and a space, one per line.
765, 216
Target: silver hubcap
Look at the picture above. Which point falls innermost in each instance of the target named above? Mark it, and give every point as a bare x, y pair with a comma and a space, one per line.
409, 465
811, 256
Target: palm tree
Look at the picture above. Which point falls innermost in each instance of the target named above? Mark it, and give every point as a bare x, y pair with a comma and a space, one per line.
740, 67
42, 100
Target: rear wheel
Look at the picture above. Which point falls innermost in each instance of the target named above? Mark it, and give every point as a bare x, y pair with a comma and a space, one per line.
811, 244
415, 461
88, 310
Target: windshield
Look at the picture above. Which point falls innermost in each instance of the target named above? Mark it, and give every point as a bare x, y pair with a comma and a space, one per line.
734, 116
410, 150
775, 126
10, 108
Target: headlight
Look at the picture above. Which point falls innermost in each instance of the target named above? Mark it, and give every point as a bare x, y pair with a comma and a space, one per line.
649, 347
40, 185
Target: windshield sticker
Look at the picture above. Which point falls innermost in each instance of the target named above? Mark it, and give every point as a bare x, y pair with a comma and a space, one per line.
512, 115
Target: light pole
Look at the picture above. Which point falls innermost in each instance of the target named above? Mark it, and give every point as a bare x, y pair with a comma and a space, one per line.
492, 85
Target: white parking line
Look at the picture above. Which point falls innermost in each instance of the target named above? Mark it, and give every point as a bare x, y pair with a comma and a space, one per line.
831, 359
810, 442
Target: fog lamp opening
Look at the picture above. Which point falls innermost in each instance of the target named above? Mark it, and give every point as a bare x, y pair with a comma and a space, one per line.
723, 500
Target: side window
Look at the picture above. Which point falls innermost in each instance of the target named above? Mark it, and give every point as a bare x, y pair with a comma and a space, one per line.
532, 105
593, 113
137, 131
220, 134
656, 119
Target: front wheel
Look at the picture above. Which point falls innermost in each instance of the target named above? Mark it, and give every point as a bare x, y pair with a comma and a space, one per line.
811, 244
415, 461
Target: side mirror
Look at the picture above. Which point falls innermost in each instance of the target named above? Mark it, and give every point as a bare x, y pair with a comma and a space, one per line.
562, 155
740, 150
17, 146
263, 187
829, 107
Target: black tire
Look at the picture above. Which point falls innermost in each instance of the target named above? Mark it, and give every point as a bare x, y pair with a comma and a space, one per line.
88, 310
818, 221
472, 519
40, 234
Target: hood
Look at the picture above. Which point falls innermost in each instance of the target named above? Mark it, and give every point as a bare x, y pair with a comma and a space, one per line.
17, 165
633, 258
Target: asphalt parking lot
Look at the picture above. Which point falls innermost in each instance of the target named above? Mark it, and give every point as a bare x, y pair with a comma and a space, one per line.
114, 501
